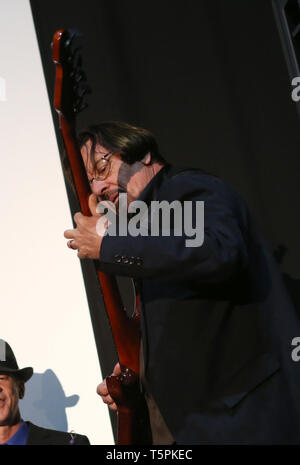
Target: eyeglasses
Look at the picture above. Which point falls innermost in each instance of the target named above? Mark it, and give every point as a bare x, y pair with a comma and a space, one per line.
103, 166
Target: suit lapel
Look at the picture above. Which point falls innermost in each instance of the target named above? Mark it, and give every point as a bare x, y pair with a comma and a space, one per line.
37, 435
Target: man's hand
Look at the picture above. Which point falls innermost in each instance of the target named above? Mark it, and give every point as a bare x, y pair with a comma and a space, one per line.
103, 391
87, 237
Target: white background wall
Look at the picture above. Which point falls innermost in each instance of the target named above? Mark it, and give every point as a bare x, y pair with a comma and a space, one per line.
44, 312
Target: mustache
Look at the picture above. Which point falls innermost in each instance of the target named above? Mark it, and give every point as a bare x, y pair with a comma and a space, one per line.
109, 194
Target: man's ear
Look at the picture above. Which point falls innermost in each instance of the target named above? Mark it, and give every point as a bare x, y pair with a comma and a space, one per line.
147, 160
21, 389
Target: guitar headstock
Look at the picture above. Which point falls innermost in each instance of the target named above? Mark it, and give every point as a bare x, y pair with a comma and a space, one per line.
70, 82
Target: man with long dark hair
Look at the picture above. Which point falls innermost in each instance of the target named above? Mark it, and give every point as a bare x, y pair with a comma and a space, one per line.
216, 322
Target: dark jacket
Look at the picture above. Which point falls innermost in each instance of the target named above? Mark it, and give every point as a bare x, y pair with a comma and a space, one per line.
217, 322
43, 436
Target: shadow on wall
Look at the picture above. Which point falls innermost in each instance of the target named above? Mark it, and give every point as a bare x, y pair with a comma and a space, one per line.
45, 402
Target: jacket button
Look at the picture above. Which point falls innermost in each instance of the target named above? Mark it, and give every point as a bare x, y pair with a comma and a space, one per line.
117, 258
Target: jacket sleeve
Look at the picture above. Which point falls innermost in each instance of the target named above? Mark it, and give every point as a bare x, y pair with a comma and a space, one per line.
222, 253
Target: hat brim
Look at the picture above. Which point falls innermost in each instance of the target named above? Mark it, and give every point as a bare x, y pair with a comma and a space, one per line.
24, 374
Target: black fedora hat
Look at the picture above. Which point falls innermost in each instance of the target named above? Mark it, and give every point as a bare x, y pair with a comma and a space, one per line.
8, 363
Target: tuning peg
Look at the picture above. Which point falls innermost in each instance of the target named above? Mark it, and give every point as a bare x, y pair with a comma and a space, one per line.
80, 89
71, 34
85, 89
77, 76
74, 33
83, 75
79, 106
82, 107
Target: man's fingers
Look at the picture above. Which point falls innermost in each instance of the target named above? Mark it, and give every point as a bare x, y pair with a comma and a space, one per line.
93, 202
106, 398
72, 244
69, 233
102, 389
117, 370
110, 402
82, 253
77, 217
113, 406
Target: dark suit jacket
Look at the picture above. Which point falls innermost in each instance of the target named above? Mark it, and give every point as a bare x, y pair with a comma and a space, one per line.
43, 436
217, 322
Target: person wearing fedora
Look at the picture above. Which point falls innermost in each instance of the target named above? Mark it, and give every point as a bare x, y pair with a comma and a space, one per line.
13, 430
